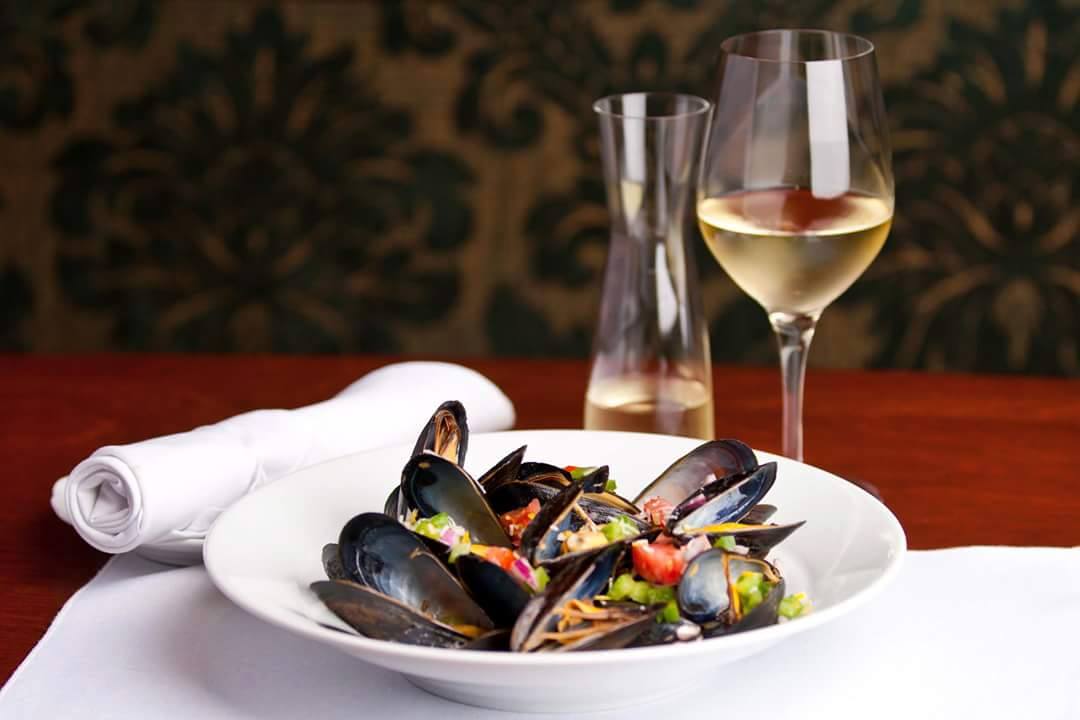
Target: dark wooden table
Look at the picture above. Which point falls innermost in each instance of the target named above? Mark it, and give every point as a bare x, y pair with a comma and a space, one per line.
961, 460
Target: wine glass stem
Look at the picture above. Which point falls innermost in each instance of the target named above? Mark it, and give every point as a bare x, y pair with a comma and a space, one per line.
793, 334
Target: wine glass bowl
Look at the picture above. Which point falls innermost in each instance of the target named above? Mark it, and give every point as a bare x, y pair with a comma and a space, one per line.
795, 197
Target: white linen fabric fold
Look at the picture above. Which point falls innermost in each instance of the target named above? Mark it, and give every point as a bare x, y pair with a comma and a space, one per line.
161, 495
963, 633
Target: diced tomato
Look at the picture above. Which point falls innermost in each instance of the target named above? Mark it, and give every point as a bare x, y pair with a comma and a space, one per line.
503, 557
515, 521
657, 510
659, 563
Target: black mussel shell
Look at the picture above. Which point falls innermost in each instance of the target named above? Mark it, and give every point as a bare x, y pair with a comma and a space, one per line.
499, 593
705, 593
503, 471
394, 505
446, 434
497, 640
666, 633
759, 540
620, 636
431, 484
728, 505
540, 539
704, 464
544, 474
512, 496
596, 481
331, 560
375, 615
615, 501
759, 514
380, 553
585, 579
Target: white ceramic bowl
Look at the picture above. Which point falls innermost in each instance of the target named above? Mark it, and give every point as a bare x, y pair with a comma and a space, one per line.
265, 550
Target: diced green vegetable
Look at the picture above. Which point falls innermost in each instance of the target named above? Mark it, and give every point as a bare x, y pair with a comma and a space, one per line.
542, 578
659, 594
622, 587
670, 613
621, 528
752, 589
462, 547
625, 587
794, 606
725, 542
433, 526
610, 486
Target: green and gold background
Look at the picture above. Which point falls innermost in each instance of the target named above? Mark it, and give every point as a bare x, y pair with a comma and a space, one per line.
424, 177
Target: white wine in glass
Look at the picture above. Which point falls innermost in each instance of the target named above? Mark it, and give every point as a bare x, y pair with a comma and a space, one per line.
651, 403
791, 251
796, 192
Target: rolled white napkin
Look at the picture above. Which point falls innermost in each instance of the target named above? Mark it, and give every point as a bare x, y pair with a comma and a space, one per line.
161, 495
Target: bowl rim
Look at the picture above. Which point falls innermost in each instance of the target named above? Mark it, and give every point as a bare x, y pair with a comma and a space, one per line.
464, 659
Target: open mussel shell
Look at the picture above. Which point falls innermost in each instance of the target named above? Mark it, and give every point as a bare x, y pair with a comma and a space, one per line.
543, 473
730, 503
584, 580
496, 640
759, 514
540, 540
512, 496
380, 553
495, 590
377, 616
446, 434
659, 633
502, 472
706, 463
394, 505
706, 593
596, 481
759, 540
625, 632
431, 484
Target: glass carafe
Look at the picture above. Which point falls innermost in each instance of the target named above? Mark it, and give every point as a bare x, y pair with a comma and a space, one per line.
651, 370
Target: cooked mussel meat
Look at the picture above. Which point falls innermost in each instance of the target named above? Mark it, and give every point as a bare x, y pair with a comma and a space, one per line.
725, 592
446, 434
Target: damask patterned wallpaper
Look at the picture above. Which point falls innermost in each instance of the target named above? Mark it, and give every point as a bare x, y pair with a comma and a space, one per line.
423, 176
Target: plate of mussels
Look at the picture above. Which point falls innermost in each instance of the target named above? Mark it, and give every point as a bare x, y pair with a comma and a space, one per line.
501, 569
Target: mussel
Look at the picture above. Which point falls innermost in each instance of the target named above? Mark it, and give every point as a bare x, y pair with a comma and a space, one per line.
446, 434
724, 500
707, 594
462, 563
518, 494
431, 484
396, 588
706, 463
567, 616
502, 472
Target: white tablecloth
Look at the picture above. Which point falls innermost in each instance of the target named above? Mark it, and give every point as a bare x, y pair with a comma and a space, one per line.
964, 633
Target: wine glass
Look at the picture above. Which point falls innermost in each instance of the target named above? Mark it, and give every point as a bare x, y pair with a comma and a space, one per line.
795, 197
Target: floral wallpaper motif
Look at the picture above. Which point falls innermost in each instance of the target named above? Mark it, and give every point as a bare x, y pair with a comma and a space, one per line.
423, 175
985, 262
259, 198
